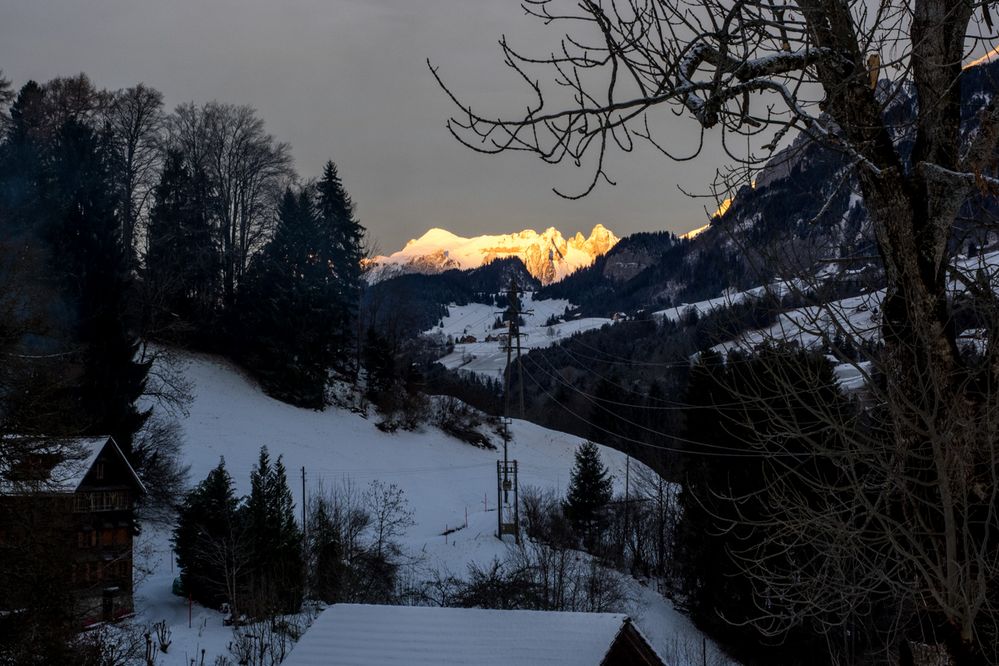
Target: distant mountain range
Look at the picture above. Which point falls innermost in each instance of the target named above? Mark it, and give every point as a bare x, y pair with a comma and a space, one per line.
803, 215
548, 256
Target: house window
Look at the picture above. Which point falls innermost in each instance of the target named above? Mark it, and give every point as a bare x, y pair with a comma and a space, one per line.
99, 471
86, 539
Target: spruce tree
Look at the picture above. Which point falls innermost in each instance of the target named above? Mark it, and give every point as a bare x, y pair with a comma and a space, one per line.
380, 363
298, 304
278, 572
91, 262
343, 238
590, 490
207, 534
21, 163
287, 305
182, 263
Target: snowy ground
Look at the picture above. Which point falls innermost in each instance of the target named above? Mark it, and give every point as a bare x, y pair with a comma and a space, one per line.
442, 478
488, 359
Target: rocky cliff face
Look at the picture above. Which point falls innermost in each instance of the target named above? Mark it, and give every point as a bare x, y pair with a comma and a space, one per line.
548, 255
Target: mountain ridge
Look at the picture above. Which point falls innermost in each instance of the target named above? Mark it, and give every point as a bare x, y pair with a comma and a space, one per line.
548, 256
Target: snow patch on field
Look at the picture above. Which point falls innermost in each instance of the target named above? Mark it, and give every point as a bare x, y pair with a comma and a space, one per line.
488, 359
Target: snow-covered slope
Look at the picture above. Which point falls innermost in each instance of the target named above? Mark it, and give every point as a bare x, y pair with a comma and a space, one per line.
548, 255
442, 478
470, 325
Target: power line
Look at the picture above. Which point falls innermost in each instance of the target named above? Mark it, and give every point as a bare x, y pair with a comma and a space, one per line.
733, 452
668, 405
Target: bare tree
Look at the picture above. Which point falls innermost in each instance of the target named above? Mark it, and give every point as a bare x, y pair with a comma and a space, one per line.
77, 98
247, 169
230, 558
6, 97
135, 118
390, 516
919, 495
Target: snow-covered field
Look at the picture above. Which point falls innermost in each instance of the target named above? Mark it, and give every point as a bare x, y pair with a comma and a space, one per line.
488, 359
442, 479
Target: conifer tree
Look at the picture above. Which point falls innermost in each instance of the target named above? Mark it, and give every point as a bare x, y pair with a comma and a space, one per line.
276, 540
590, 490
208, 540
182, 262
344, 239
89, 258
287, 306
21, 161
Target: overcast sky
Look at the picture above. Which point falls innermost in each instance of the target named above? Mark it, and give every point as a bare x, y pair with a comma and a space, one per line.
347, 80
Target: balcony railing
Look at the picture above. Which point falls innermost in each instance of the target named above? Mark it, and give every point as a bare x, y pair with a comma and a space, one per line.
102, 500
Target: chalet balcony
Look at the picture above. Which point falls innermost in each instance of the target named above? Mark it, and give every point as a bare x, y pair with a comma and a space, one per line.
103, 500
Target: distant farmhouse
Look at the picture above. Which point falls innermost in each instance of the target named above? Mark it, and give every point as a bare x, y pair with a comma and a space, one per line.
360, 635
67, 514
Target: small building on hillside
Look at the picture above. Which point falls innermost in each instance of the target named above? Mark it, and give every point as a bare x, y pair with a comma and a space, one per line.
361, 635
67, 520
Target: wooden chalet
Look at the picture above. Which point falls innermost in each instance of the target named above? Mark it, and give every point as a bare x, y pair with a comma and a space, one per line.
361, 635
67, 511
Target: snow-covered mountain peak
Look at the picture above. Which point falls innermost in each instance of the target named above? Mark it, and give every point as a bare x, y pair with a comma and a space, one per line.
548, 255
435, 237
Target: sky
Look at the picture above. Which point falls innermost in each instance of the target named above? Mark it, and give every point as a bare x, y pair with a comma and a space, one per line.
347, 80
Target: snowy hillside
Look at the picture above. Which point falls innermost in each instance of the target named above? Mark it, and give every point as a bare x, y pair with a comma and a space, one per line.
855, 317
441, 477
488, 357
548, 255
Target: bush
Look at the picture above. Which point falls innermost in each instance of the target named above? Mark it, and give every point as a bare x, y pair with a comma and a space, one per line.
460, 421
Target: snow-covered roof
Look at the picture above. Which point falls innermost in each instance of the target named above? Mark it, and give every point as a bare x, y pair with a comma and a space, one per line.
76, 456
362, 635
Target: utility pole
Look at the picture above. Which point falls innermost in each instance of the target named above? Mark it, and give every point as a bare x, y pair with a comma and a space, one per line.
627, 502
303, 502
513, 313
507, 469
520, 365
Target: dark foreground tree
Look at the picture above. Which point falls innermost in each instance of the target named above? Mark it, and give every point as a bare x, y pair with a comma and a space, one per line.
831, 70
91, 263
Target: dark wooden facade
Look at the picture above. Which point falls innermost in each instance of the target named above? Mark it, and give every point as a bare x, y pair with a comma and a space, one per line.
631, 649
69, 526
